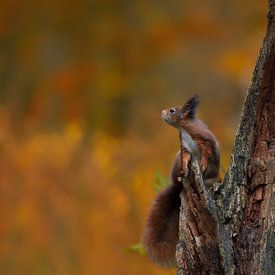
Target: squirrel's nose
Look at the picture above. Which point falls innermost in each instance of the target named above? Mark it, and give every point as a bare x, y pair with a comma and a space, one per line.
164, 115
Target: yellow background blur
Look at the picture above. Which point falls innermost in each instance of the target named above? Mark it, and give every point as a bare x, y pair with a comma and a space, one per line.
82, 85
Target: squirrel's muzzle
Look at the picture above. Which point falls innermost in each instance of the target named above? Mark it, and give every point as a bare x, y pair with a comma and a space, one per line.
164, 115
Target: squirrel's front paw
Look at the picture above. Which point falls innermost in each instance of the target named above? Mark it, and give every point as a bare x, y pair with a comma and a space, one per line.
203, 165
182, 174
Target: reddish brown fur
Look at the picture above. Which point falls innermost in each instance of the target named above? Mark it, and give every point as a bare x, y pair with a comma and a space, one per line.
208, 145
161, 231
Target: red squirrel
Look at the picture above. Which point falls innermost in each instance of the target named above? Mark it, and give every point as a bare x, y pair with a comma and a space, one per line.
160, 235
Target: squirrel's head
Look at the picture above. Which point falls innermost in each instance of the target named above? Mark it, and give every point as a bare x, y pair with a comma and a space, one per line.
176, 115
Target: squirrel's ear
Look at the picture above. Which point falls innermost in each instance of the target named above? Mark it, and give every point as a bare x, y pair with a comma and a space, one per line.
190, 107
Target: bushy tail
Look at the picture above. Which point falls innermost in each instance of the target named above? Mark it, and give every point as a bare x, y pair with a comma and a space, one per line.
160, 235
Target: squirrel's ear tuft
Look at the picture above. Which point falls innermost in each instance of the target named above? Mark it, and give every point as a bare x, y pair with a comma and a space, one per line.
190, 107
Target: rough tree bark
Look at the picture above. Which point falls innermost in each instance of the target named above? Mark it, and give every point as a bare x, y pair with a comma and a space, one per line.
229, 228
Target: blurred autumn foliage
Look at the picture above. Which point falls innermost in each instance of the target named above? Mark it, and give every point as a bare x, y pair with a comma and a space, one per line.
82, 85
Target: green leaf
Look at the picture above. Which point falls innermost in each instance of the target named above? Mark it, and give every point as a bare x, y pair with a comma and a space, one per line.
138, 247
161, 182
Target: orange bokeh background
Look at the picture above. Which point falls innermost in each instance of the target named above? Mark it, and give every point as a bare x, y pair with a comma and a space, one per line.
82, 85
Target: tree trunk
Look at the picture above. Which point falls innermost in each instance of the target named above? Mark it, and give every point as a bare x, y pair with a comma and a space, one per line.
229, 228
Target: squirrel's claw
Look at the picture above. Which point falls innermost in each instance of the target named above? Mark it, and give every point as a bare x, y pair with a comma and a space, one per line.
203, 165
183, 174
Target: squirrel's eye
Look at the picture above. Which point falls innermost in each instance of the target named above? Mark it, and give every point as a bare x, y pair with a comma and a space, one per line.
172, 111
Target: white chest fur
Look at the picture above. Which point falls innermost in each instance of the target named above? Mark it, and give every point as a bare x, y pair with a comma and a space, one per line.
190, 145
